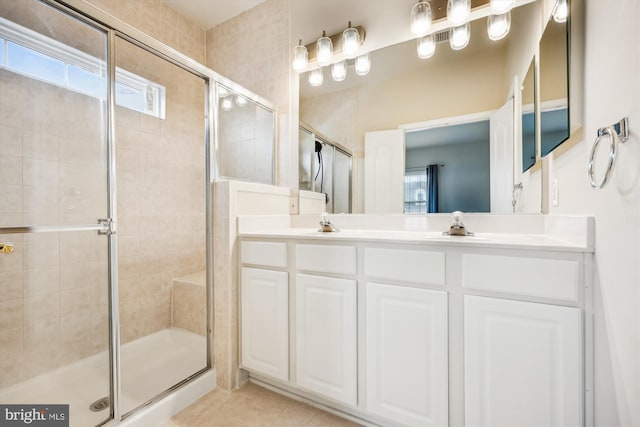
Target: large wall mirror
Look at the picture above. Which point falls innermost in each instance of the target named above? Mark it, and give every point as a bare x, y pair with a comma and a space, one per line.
554, 82
445, 105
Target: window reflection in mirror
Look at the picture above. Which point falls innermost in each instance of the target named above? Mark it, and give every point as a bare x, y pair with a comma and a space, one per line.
246, 138
528, 119
554, 88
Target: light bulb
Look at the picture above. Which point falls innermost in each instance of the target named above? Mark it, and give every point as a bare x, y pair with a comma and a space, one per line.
222, 91
459, 37
339, 71
241, 101
498, 7
316, 77
426, 46
363, 65
421, 18
561, 12
458, 11
300, 57
350, 42
498, 25
324, 50
227, 104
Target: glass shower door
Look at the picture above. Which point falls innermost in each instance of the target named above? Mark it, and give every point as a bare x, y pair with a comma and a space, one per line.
54, 281
162, 186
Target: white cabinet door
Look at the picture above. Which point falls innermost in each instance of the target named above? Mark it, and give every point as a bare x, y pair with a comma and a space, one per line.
407, 376
384, 171
265, 322
523, 364
326, 337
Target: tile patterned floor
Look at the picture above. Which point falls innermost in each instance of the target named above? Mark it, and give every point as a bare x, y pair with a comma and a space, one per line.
253, 406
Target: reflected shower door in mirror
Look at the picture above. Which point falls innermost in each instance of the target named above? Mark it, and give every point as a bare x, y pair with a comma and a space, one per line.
554, 83
404, 91
246, 138
325, 167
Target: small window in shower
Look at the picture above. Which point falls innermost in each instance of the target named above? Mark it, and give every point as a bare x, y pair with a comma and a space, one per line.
34, 55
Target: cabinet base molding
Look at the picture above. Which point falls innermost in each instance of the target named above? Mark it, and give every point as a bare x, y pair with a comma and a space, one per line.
351, 414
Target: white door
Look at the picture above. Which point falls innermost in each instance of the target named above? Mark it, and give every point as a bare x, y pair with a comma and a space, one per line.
326, 337
384, 171
265, 322
523, 364
407, 376
501, 158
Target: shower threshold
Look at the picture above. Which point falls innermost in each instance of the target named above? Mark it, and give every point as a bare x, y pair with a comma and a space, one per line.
150, 365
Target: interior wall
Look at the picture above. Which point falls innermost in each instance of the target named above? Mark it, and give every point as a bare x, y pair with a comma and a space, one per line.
610, 93
463, 175
160, 22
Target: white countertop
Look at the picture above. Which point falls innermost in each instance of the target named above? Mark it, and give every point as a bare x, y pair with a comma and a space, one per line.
490, 240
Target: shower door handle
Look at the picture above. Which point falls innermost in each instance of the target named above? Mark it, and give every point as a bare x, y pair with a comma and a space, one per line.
6, 248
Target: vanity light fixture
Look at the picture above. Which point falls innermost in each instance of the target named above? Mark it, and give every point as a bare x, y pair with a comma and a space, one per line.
421, 18
426, 46
498, 7
300, 57
350, 42
339, 71
363, 65
459, 36
498, 26
561, 11
316, 77
458, 12
324, 50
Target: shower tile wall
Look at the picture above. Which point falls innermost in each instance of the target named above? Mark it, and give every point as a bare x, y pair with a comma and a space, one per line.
161, 194
246, 143
159, 21
53, 306
257, 59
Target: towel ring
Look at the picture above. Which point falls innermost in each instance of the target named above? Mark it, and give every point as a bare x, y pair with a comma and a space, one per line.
613, 140
618, 132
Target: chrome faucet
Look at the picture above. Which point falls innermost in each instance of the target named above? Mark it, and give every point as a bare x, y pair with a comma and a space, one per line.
325, 225
457, 228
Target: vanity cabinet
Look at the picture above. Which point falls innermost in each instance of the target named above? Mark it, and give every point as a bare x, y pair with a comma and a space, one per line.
326, 337
264, 309
523, 363
265, 322
415, 333
406, 354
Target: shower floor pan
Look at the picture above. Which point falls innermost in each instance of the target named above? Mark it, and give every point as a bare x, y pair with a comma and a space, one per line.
149, 365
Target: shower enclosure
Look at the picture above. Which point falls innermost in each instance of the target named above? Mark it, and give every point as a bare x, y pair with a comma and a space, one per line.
105, 216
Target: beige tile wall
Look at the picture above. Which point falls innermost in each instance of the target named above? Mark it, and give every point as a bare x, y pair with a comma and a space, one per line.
161, 193
246, 143
160, 22
252, 49
53, 288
